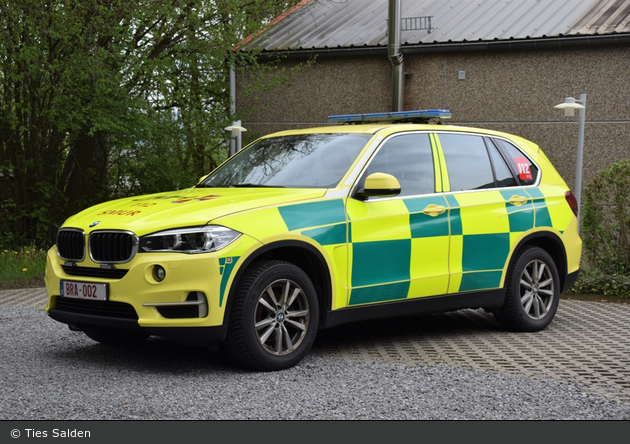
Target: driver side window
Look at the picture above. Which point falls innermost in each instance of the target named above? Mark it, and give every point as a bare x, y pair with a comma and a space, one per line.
409, 159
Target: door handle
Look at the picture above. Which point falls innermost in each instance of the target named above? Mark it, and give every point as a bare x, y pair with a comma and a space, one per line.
518, 200
434, 210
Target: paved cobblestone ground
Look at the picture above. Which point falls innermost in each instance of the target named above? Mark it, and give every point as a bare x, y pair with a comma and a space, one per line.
588, 342
25, 297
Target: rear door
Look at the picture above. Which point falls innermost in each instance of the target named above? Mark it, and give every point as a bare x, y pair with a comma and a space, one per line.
488, 211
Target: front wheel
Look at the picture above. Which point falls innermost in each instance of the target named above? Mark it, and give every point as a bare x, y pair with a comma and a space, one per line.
532, 292
274, 317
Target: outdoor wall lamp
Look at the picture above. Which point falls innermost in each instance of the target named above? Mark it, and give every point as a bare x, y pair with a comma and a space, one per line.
236, 129
569, 106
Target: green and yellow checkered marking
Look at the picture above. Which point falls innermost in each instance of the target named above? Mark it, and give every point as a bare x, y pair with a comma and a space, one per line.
226, 265
395, 251
480, 240
473, 238
313, 214
407, 259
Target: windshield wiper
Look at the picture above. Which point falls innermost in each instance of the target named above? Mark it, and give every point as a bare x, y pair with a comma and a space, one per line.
203, 185
253, 185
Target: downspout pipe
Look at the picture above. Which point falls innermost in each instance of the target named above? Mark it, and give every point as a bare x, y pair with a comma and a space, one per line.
395, 56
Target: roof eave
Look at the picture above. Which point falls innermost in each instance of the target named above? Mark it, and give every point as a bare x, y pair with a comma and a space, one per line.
538, 43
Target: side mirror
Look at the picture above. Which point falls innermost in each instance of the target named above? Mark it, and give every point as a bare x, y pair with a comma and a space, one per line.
202, 178
379, 185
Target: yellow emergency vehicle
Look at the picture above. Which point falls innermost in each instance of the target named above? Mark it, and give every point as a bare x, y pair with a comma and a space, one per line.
379, 215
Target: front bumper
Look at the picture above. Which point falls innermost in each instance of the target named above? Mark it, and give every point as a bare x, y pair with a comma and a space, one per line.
190, 303
198, 336
569, 280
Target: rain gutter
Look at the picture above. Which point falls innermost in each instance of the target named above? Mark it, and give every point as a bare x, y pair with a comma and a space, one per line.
490, 45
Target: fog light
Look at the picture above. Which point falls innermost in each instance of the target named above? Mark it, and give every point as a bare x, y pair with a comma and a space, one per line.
159, 273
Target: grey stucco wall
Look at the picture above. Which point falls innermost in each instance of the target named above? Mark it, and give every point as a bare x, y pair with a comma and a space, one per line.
516, 92
328, 86
512, 91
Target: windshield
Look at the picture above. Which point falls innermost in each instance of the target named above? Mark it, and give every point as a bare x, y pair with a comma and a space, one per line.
304, 161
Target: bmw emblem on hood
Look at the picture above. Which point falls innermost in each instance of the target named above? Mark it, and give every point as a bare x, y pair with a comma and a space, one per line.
93, 224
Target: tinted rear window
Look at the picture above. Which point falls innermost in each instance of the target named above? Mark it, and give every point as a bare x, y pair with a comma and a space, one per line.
501, 170
467, 162
525, 170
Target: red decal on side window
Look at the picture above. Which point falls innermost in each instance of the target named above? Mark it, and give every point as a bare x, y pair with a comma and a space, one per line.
522, 164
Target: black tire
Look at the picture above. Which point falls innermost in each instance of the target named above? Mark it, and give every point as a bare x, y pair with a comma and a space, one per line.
274, 317
116, 337
532, 292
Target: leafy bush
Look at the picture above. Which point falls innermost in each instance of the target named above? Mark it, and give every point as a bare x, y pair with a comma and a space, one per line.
606, 220
592, 282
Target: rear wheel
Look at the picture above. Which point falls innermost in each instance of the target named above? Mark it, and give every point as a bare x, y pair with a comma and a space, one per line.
116, 337
274, 317
532, 292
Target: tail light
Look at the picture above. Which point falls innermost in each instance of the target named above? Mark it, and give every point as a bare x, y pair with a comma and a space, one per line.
572, 201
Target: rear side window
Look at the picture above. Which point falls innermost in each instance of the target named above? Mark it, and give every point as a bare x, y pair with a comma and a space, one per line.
523, 168
502, 172
467, 162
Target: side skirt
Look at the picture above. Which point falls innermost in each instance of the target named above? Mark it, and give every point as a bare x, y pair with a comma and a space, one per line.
487, 299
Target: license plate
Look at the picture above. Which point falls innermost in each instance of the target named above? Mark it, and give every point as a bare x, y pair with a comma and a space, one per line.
84, 290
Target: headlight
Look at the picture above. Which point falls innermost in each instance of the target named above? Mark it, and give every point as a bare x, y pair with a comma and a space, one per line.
189, 240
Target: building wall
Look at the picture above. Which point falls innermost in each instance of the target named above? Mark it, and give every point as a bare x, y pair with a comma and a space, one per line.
512, 91
328, 86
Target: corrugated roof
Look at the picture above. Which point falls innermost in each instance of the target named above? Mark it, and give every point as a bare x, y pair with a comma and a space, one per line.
604, 17
321, 24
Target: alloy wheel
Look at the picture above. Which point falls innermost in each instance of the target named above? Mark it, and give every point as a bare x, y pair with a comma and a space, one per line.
536, 289
281, 317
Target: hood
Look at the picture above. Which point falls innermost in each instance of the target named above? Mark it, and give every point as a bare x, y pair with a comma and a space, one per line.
185, 208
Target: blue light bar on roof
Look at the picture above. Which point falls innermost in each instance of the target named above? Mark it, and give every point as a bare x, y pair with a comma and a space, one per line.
399, 116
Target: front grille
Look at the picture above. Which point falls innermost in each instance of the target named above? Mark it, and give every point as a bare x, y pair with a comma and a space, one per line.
113, 246
94, 272
71, 244
96, 308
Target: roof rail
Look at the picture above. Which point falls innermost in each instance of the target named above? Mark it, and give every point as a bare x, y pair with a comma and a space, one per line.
417, 116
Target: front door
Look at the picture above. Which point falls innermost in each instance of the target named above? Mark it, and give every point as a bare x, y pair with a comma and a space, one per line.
399, 246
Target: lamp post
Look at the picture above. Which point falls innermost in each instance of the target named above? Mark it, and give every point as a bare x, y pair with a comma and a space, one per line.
569, 106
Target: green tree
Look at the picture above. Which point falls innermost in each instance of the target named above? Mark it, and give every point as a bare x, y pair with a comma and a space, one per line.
104, 98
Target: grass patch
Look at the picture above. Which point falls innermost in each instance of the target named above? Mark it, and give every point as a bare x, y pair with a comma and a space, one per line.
22, 267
